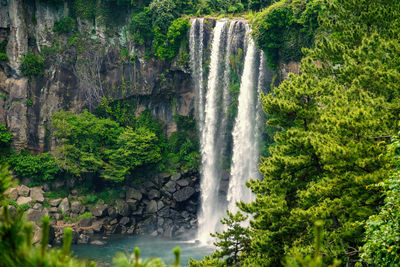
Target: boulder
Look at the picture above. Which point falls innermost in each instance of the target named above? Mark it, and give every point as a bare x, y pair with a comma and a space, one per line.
170, 186
183, 182
76, 206
55, 202
133, 193
85, 222
64, 205
138, 211
37, 206
124, 221
122, 207
160, 205
176, 177
98, 210
97, 243
151, 207
112, 212
23, 190
132, 204
97, 226
34, 215
24, 200
37, 194
12, 193
115, 221
184, 194
153, 194
83, 239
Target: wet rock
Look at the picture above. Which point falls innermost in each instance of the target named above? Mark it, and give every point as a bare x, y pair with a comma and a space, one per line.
184, 194
139, 211
12, 193
176, 177
115, 221
85, 222
23, 190
124, 221
98, 210
112, 212
122, 208
151, 207
97, 226
83, 239
97, 243
132, 204
64, 205
170, 187
160, 205
24, 200
76, 206
183, 182
153, 194
133, 193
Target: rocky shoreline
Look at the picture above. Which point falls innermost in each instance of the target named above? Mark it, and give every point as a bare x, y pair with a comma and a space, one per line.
165, 206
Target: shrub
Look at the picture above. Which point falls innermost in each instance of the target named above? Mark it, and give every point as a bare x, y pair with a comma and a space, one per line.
141, 26
3, 56
32, 65
64, 25
167, 46
87, 215
40, 167
5, 136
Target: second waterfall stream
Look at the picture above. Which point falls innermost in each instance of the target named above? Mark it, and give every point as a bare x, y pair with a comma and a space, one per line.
228, 113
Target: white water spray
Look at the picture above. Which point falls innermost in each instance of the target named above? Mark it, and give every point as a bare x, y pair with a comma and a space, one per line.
208, 217
245, 145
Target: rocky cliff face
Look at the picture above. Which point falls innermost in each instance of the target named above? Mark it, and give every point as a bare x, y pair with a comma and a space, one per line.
28, 104
80, 69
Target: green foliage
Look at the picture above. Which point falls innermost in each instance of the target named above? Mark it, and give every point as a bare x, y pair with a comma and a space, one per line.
163, 12
86, 215
5, 136
3, 56
133, 260
100, 146
232, 244
332, 124
135, 148
316, 260
40, 167
141, 26
32, 65
65, 25
5, 181
167, 46
382, 230
284, 28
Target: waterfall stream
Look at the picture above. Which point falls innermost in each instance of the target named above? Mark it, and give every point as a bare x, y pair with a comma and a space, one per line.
221, 139
209, 184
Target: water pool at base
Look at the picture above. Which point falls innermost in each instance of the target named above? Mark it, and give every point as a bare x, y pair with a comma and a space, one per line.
149, 247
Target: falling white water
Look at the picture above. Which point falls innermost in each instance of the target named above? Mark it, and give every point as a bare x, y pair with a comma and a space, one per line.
245, 145
196, 43
209, 214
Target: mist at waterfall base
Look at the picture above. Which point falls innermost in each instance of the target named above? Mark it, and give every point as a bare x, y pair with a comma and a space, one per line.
149, 247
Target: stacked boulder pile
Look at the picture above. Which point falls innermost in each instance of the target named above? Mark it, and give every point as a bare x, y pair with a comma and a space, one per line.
166, 206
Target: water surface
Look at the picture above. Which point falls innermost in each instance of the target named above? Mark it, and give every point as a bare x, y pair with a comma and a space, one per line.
149, 247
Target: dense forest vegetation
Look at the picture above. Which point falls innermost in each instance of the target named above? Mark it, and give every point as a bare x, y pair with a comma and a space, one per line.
330, 191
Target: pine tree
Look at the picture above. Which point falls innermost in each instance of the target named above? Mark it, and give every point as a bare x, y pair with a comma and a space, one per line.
334, 122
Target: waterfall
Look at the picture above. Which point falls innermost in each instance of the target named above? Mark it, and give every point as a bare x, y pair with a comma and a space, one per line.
245, 143
196, 44
208, 217
217, 142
